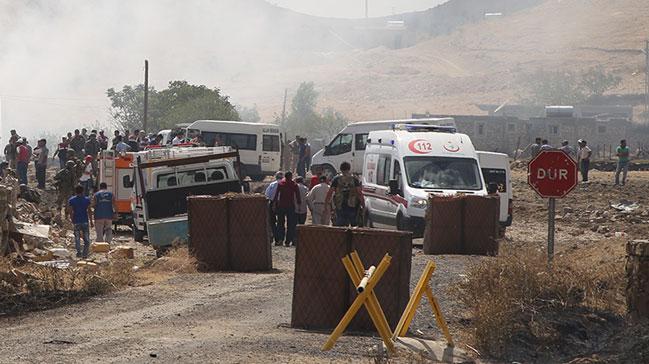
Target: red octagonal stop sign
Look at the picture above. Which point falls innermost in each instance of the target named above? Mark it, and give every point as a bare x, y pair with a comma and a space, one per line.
552, 173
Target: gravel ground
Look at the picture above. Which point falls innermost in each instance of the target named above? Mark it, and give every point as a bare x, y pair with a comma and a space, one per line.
237, 318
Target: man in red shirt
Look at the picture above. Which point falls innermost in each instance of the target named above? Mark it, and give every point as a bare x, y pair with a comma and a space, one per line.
286, 195
22, 161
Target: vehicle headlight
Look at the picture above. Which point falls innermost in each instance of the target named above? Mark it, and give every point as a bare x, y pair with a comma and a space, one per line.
419, 203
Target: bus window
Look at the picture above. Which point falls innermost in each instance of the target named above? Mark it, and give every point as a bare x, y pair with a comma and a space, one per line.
270, 143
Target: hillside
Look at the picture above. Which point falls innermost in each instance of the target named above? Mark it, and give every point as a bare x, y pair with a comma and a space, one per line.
478, 63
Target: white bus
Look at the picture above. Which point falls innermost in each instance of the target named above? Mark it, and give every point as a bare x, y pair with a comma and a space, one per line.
259, 144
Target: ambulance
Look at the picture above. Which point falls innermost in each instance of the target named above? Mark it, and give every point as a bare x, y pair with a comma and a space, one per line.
405, 165
115, 170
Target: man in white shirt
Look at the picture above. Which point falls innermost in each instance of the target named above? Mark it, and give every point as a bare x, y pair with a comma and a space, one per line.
316, 201
584, 159
270, 195
178, 139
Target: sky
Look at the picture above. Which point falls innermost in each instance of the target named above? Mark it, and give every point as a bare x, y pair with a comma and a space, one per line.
355, 8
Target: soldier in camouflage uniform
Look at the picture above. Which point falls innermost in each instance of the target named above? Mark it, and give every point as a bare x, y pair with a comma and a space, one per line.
65, 181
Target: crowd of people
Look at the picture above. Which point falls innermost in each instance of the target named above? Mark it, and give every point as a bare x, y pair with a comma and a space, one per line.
339, 201
87, 202
583, 155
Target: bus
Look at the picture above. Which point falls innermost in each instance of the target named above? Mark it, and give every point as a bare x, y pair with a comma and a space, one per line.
259, 144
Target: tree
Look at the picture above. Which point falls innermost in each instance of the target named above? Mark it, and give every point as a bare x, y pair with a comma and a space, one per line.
304, 120
180, 102
568, 87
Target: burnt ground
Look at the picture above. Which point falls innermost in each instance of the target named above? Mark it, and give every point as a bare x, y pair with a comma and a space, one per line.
244, 317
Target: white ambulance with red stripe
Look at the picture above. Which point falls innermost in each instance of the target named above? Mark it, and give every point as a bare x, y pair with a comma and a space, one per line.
405, 165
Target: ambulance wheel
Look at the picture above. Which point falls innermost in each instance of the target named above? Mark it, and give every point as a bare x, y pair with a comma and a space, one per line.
138, 235
329, 171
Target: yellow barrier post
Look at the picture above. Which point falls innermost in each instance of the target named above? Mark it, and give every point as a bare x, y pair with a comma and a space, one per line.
366, 298
421, 289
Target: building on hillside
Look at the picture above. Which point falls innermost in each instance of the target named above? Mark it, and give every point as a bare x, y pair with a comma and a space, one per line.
507, 134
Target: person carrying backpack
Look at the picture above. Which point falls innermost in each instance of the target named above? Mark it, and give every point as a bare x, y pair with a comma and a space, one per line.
347, 195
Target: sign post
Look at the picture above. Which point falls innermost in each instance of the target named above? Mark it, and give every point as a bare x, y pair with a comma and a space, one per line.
552, 174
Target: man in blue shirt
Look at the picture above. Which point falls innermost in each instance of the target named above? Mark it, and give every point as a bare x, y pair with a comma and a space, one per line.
78, 211
103, 203
270, 195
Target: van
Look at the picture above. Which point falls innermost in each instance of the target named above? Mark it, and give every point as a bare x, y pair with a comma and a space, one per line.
405, 165
349, 145
162, 180
259, 144
495, 169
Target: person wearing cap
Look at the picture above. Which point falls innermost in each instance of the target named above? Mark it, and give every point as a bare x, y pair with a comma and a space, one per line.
22, 161
41, 163
622, 153
566, 148
270, 195
86, 178
584, 159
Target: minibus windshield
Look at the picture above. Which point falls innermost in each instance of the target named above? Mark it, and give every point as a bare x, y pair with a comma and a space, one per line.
443, 173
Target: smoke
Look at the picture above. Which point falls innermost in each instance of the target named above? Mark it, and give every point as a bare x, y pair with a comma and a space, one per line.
58, 57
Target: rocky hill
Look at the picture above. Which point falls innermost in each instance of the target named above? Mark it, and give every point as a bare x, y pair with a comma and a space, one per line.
481, 62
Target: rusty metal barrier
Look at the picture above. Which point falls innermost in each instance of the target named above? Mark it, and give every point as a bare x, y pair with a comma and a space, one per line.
230, 232
320, 285
462, 225
481, 225
321, 289
249, 232
207, 219
443, 233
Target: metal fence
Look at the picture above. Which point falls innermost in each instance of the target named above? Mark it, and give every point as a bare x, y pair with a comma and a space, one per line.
230, 232
322, 291
465, 225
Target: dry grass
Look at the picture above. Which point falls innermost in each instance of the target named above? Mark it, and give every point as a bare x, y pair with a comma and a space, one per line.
519, 303
29, 287
176, 260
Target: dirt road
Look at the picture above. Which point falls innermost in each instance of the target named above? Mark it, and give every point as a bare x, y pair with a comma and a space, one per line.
217, 317
237, 318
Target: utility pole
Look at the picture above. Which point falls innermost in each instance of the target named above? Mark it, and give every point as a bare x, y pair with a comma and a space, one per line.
646, 82
366, 9
284, 108
146, 94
